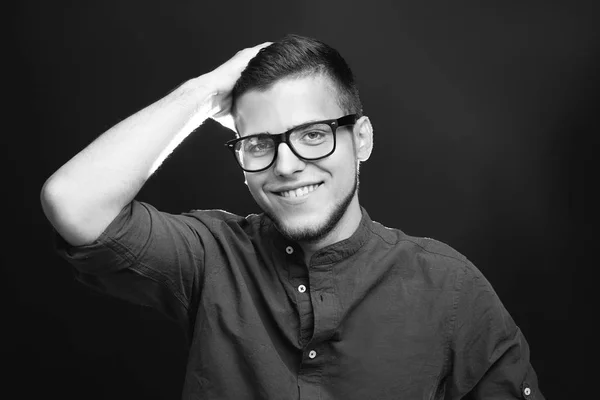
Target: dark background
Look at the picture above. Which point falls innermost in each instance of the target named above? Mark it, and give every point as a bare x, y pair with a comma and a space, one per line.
482, 119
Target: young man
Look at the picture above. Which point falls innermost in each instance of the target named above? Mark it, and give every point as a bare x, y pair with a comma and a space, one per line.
311, 299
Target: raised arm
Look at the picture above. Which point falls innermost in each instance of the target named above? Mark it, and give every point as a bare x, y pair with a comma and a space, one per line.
84, 195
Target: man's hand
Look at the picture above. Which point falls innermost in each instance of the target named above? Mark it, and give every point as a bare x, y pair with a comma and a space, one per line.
224, 77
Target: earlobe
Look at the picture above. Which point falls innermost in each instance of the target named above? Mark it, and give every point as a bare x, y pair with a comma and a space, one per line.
364, 138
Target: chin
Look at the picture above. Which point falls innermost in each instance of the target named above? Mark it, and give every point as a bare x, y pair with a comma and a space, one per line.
311, 226
302, 230
311, 229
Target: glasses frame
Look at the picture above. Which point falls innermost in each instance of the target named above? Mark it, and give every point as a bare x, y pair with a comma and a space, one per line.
285, 138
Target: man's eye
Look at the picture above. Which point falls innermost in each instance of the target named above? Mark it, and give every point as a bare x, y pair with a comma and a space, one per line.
313, 137
258, 146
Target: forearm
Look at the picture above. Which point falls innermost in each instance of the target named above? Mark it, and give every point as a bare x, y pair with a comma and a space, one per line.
82, 197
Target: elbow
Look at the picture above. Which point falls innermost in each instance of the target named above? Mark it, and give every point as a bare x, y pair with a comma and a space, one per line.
60, 210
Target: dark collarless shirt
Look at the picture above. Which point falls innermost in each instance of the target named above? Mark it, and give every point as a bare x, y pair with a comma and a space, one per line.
380, 315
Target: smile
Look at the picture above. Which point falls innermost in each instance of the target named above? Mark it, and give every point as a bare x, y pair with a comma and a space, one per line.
299, 192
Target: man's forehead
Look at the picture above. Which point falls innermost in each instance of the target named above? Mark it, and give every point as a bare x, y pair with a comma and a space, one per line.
286, 104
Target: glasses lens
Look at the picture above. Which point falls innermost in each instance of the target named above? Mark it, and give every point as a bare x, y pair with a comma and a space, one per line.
255, 153
309, 142
313, 141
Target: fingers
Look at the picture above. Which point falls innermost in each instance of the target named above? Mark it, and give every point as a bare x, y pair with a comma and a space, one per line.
263, 45
223, 79
250, 52
234, 66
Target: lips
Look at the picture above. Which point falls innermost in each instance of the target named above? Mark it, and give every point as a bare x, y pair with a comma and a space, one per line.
299, 191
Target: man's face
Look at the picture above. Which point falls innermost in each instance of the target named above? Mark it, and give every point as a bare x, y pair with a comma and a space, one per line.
328, 196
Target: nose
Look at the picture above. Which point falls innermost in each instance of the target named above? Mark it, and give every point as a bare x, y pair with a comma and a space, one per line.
287, 162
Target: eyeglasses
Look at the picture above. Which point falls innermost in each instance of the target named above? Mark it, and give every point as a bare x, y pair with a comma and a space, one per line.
310, 141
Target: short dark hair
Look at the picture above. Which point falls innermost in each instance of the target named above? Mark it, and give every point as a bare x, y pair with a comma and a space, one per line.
296, 56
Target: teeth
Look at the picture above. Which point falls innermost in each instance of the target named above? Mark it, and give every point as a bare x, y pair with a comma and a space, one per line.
303, 191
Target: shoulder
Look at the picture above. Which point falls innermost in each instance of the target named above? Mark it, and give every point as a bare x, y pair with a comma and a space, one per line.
434, 261
431, 249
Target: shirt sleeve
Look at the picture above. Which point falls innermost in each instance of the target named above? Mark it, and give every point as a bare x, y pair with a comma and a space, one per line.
490, 356
146, 257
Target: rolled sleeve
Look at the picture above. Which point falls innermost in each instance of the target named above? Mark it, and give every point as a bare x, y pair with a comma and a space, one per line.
490, 355
144, 256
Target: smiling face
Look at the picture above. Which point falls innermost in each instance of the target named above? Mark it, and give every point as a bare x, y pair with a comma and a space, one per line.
309, 201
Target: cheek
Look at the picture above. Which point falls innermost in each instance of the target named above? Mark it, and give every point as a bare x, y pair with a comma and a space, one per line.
254, 186
347, 176
344, 166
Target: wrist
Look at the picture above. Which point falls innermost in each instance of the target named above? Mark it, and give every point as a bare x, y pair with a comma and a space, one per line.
198, 93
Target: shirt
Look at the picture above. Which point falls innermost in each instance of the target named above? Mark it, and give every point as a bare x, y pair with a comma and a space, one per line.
380, 315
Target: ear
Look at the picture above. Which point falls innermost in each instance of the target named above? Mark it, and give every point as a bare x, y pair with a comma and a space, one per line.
363, 134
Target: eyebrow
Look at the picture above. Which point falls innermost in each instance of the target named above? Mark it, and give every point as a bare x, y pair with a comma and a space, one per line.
287, 130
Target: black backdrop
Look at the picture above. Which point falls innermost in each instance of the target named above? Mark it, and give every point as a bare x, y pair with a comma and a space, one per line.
481, 117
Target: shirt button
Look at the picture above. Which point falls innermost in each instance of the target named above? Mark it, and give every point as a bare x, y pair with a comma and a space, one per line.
302, 288
289, 249
312, 354
527, 391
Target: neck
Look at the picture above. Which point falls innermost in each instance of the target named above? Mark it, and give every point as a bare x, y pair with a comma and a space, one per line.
343, 230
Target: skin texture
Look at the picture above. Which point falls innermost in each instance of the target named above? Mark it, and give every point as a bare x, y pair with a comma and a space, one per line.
332, 212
